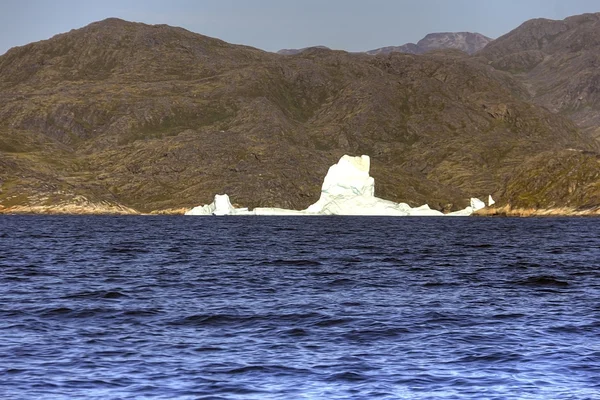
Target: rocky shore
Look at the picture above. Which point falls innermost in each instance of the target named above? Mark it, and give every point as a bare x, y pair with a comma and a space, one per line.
507, 211
100, 209
70, 209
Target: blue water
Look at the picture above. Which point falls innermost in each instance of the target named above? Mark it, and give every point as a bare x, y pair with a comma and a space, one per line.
299, 308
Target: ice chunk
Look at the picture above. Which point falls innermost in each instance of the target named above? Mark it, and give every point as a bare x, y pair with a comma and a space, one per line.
276, 211
477, 204
362, 205
220, 206
465, 212
349, 177
424, 211
201, 210
490, 200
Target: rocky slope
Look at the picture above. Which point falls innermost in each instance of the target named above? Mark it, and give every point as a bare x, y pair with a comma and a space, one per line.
559, 62
468, 42
132, 116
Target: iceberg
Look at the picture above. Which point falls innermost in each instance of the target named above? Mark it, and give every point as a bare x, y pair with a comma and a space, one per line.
477, 204
347, 189
221, 205
276, 211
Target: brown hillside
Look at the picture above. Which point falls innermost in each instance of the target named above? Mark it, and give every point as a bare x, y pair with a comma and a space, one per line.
155, 117
559, 62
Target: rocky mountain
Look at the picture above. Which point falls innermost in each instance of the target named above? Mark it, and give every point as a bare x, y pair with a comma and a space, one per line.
558, 61
464, 41
121, 116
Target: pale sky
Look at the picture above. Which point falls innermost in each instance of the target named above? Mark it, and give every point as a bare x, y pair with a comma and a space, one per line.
352, 25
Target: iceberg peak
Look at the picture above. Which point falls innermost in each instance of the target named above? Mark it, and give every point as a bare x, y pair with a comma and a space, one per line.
346, 179
221, 205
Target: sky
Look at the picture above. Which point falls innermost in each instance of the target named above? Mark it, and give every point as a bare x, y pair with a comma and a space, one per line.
351, 25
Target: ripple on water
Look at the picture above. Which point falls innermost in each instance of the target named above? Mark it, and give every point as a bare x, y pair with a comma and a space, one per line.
280, 308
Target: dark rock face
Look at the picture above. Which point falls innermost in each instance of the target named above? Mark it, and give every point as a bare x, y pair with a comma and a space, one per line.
156, 117
464, 41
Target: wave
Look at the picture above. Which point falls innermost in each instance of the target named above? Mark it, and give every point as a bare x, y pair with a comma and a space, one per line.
97, 294
292, 263
542, 280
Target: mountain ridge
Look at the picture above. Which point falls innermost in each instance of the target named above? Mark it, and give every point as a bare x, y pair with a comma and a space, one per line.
557, 60
469, 42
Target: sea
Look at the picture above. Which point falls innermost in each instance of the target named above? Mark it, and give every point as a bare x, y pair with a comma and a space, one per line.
176, 307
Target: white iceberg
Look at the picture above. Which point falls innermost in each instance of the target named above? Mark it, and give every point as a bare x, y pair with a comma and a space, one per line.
347, 189
220, 206
276, 211
477, 204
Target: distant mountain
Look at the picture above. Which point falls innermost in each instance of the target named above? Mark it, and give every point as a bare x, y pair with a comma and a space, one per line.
465, 41
408, 48
120, 115
291, 52
559, 61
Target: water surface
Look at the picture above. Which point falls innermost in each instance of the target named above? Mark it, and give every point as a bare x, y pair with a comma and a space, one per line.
299, 307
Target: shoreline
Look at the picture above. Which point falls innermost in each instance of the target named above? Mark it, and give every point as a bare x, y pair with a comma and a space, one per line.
504, 211
508, 211
69, 209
